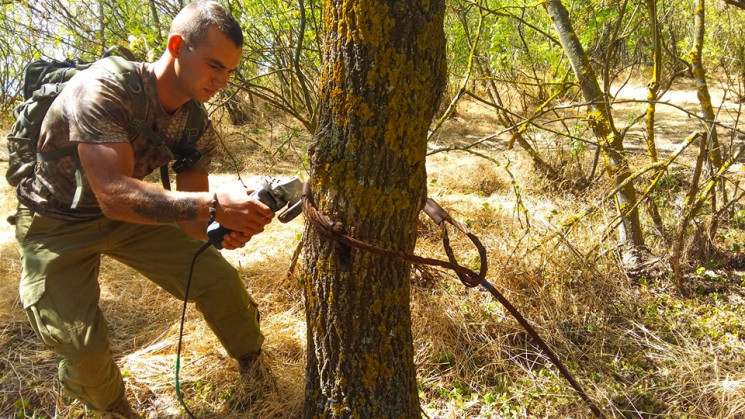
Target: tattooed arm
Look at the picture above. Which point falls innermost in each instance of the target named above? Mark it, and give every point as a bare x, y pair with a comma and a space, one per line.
109, 168
192, 181
196, 181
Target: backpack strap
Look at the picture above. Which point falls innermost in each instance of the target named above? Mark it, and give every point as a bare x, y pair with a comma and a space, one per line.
194, 125
126, 74
193, 129
120, 50
56, 154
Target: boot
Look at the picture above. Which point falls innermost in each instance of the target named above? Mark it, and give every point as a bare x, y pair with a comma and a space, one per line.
249, 363
121, 410
255, 370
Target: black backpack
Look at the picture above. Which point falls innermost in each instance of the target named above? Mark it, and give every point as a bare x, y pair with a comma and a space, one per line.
42, 83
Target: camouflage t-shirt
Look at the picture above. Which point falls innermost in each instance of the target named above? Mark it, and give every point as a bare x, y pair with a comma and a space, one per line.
96, 108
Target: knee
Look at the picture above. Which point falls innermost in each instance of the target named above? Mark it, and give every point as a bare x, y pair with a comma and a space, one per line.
72, 340
94, 355
222, 280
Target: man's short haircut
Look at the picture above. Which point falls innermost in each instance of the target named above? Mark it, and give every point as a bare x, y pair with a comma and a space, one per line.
194, 19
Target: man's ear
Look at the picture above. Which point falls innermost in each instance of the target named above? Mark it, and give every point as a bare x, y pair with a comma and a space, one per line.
175, 45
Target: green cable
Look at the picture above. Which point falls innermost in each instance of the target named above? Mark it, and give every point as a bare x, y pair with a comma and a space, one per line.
179, 396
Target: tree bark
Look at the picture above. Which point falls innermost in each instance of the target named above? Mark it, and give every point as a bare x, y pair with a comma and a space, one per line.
654, 82
102, 26
601, 121
704, 98
383, 73
702, 88
716, 158
654, 88
737, 3
156, 21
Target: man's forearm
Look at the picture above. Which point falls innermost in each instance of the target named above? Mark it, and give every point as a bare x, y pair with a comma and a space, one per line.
140, 202
162, 208
109, 167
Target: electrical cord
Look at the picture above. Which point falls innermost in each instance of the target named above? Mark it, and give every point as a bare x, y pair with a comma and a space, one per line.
179, 396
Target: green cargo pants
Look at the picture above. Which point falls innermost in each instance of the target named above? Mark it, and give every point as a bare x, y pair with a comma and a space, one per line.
59, 291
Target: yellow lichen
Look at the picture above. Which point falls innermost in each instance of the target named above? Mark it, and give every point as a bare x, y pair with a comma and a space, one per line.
377, 307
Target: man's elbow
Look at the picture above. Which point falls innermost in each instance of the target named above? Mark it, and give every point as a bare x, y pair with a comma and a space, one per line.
111, 204
110, 210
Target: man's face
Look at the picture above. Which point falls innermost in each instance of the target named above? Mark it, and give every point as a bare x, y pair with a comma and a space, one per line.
205, 65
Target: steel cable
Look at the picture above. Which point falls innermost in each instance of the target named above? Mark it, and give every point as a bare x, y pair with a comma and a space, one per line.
468, 277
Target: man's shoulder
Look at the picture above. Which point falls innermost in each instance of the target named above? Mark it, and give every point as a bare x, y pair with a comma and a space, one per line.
98, 105
101, 73
100, 86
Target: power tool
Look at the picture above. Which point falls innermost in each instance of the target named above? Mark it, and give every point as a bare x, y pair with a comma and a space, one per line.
275, 194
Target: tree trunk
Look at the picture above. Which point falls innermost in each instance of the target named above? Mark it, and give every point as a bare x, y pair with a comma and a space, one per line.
654, 83
704, 98
654, 88
384, 71
156, 22
102, 26
600, 119
702, 89
505, 119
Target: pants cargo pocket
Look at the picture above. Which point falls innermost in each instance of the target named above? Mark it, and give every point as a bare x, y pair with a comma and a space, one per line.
72, 389
44, 324
33, 278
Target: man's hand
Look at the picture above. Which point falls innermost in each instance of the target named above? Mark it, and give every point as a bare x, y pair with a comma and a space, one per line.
242, 214
235, 240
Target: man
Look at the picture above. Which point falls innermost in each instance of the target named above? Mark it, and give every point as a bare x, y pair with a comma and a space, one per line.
78, 207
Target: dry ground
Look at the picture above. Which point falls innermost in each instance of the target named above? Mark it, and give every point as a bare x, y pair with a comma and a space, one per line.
638, 347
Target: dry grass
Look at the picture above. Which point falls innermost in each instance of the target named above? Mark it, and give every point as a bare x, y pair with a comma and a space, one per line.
639, 347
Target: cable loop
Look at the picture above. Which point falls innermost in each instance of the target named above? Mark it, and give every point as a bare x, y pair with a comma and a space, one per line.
468, 277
